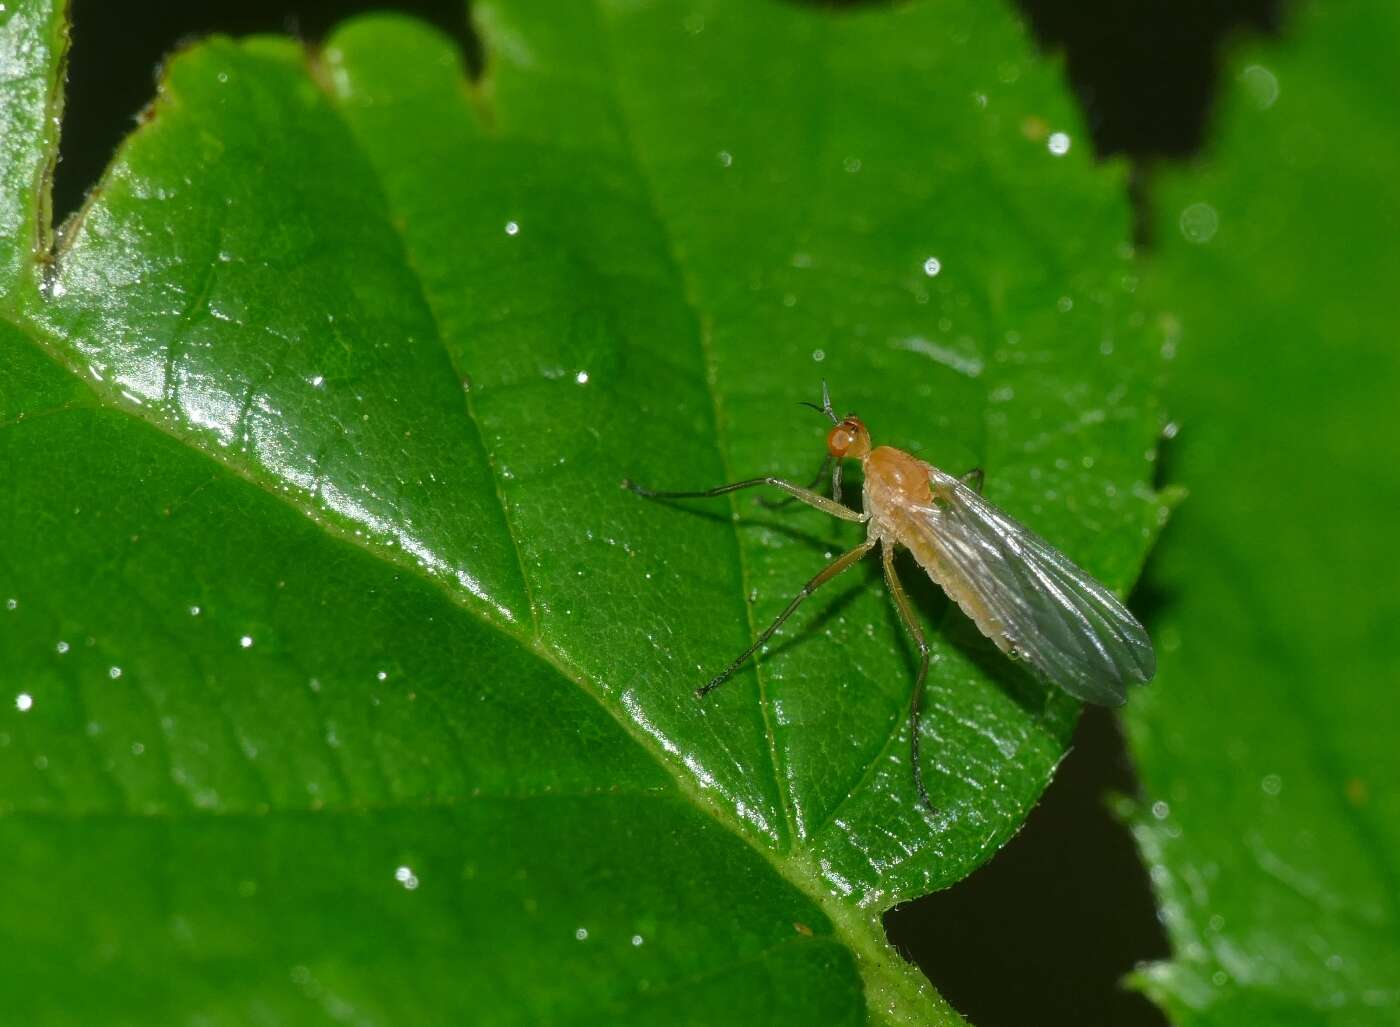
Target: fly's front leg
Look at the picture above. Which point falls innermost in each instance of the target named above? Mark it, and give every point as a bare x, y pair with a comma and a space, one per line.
916, 701
796, 491
774, 504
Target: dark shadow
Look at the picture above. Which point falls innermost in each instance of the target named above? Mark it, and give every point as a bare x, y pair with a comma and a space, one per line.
1146, 73
1151, 600
1044, 933
118, 48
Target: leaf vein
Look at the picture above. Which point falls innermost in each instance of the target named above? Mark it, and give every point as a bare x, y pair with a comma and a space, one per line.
702, 328
460, 376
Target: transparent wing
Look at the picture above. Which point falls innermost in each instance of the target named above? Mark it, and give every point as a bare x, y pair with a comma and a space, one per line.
1026, 595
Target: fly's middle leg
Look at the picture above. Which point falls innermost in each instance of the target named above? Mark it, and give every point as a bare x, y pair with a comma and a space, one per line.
916, 701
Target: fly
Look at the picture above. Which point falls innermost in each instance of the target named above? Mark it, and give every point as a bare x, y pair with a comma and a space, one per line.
1030, 599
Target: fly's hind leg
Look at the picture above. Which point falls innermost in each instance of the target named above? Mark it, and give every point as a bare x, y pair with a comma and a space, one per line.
841, 563
974, 479
916, 701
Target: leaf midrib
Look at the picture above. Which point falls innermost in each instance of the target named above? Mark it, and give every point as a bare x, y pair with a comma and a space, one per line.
703, 340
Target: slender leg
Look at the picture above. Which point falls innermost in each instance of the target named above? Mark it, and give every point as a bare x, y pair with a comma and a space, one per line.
774, 504
835, 567
974, 479
916, 702
796, 491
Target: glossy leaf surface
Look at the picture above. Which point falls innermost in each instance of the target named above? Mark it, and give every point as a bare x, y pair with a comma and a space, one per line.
1268, 752
336, 636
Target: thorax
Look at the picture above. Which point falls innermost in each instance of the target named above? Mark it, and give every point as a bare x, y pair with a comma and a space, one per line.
893, 480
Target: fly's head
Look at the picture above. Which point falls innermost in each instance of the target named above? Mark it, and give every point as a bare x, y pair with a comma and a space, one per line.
849, 439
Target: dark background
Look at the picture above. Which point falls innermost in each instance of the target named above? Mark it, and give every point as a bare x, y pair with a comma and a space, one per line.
1043, 933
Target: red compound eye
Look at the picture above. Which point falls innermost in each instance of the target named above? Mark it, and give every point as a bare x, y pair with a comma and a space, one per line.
839, 440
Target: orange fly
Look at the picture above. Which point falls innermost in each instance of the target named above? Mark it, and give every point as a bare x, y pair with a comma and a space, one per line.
1021, 592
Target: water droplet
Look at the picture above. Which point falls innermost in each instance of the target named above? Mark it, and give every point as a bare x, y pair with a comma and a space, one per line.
114, 672
24, 702
246, 641
818, 355
581, 377
1064, 304
1272, 784
512, 228
137, 748
406, 877
932, 266
61, 648
1058, 144
1261, 84
195, 611
851, 164
725, 158
636, 940
1160, 810
1199, 222
382, 675
11, 604
581, 934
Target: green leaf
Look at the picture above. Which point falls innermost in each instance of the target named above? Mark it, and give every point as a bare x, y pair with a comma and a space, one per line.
1267, 748
322, 582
